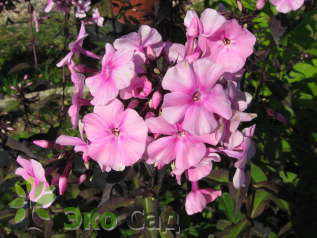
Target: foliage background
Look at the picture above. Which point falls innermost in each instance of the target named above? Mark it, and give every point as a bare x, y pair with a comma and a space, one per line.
281, 76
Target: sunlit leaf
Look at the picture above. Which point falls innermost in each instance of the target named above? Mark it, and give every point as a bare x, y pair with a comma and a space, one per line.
20, 215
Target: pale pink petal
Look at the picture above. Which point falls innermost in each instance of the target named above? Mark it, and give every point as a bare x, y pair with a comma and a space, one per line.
235, 139
179, 78
23, 173
188, 154
161, 151
132, 150
38, 170
102, 89
190, 15
207, 72
197, 173
239, 179
195, 202
95, 126
133, 126
104, 152
110, 112
68, 140
66, 60
149, 36
130, 41
211, 21
174, 52
218, 102
260, 4
174, 106
160, 125
199, 121
26, 164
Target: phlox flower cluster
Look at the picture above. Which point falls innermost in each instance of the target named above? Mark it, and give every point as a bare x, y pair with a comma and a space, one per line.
167, 104
81, 8
283, 6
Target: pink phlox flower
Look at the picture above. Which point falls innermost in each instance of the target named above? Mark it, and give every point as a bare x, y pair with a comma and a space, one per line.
177, 144
198, 199
76, 48
206, 25
229, 46
33, 172
82, 7
138, 42
117, 71
196, 96
239, 100
243, 153
285, 6
96, 17
80, 145
117, 136
200, 170
193, 30
140, 87
78, 80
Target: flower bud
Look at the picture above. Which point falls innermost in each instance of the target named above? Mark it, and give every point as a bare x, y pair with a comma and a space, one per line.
155, 100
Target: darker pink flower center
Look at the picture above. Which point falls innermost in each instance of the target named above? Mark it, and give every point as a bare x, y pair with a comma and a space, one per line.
226, 41
115, 131
196, 96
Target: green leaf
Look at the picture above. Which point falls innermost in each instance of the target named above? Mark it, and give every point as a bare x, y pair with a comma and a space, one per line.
46, 199
288, 177
281, 203
17, 203
257, 174
43, 214
74, 191
20, 215
223, 224
260, 200
19, 190
235, 230
227, 205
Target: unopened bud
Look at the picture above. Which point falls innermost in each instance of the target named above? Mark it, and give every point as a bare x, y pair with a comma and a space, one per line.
155, 100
